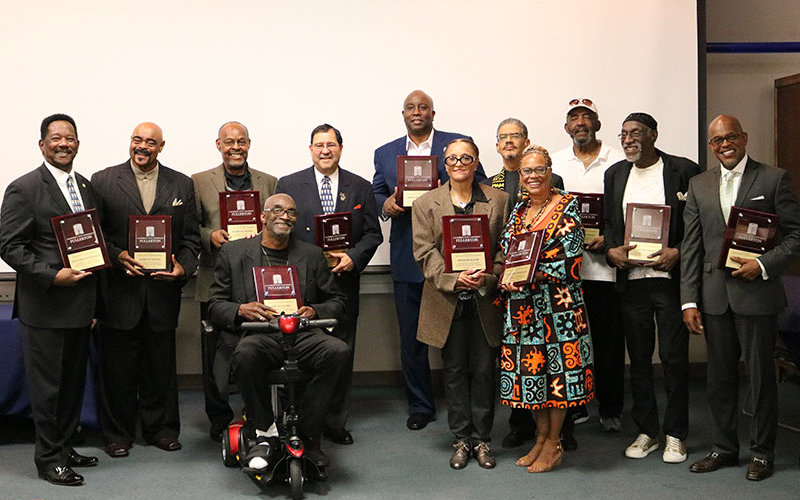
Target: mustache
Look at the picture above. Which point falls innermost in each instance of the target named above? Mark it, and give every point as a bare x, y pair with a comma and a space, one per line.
63, 150
141, 151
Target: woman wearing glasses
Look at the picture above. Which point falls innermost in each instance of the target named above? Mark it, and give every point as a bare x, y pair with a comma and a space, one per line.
457, 314
546, 356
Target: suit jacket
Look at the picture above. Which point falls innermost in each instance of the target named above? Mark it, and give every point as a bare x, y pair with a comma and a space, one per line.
404, 268
677, 172
511, 185
763, 188
355, 195
234, 284
126, 298
28, 245
438, 293
207, 186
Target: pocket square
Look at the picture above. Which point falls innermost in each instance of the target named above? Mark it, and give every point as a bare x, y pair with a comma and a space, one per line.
681, 196
177, 202
357, 206
759, 197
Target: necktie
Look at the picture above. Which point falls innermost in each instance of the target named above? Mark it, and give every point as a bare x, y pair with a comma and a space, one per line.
75, 201
726, 193
325, 195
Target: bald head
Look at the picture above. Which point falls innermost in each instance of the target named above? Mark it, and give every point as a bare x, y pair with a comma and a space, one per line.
418, 114
727, 140
147, 141
233, 142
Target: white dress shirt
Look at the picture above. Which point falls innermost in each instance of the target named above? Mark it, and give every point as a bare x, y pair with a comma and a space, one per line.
61, 179
334, 177
424, 148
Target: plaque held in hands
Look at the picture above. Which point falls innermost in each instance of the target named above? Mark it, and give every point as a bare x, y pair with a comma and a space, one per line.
466, 243
749, 234
334, 232
522, 258
240, 213
416, 175
150, 241
647, 227
591, 208
278, 287
80, 241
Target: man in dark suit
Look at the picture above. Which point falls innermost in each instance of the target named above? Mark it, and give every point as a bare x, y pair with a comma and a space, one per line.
55, 304
739, 308
140, 311
652, 289
342, 191
234, 174
234, 300
421, 140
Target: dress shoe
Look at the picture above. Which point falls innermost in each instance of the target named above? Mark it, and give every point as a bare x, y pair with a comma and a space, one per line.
168, 444
75, 459
417, 421
215, 433
568, 441
759, 468
483, 454
62, 475
460, 456
338, 436
712, 462
314, 452
516, 438
116, 450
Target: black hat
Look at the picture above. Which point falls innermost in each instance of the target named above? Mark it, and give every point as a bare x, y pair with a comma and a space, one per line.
642, 118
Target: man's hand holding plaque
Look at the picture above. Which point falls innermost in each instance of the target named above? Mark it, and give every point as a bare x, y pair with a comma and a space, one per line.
80, 243
334, 232
239, 213
416, 175
647, 233
749, 234
149, 244
591, 208
278, 289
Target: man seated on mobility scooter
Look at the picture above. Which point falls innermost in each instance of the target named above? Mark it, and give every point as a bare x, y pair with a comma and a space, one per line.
321, 356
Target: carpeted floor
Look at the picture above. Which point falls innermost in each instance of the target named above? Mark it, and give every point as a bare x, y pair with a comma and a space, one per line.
389, 461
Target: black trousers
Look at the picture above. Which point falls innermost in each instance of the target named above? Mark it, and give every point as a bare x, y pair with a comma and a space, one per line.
469, 376
340, 401
55, 371
413, 353
218, 410
322, 355
643, 301
728, 337
138, 378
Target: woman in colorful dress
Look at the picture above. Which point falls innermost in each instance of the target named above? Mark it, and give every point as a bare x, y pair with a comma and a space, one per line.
546, 356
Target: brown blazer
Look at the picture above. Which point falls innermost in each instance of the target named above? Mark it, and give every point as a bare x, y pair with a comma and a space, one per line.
438, 293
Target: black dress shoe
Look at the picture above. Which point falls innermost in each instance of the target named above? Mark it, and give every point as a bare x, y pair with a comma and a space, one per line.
62, 475
568, 441
759, 468
338, 436
116, 450
314, 452
75, 459
713, 461
516, 438
168, 444
417, 421
460, 457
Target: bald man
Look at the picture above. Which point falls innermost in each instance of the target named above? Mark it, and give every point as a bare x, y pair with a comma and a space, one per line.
140, 311
736, 310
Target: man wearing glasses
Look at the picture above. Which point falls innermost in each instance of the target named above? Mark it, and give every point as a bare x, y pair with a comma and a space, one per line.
737, 310
326, 188
583, 165
234, 174
651, 290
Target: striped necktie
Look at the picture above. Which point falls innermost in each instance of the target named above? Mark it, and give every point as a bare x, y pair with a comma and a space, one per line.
325, 196
75, 201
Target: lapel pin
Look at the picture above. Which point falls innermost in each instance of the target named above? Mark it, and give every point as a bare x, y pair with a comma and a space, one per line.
342, 196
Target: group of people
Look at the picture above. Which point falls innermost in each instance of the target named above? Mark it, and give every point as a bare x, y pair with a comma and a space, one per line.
558, 341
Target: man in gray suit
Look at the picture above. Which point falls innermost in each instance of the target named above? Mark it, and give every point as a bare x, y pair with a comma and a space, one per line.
233, 174
739, 308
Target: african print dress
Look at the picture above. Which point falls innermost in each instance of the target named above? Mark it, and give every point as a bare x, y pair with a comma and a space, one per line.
546, 358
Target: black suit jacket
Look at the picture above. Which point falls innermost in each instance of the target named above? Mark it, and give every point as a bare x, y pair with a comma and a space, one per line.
677, 172
355, 195
126, 298
28, 245
234, 285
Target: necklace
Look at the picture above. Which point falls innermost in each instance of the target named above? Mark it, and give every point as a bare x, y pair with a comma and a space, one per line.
540, 211
264, 251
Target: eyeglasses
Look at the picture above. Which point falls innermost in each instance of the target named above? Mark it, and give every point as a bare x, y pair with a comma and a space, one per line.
239, 142
515, 136
526, 172
575, 102
717, 141
465, 160
319, 146
279, 211
636, 133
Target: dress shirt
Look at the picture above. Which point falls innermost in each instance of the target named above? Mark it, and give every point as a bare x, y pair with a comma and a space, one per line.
424, 148
146, 182
334, 177
61, 179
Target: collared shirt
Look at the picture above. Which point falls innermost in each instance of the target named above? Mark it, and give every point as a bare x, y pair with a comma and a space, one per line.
238, 182
469, 207
737, 179
334, 177
580, 179
645, 185
61, 179
424, 148
146, 182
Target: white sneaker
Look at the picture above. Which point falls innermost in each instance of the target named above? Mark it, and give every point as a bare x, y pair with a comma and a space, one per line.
674, 451
642, 447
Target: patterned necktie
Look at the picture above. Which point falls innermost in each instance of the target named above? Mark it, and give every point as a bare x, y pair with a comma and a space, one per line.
73, 196
325, 196
726, 193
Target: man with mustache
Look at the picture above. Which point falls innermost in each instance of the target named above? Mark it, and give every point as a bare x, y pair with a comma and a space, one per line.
234, 174
583, 165
140, 311
651, 291
233, 301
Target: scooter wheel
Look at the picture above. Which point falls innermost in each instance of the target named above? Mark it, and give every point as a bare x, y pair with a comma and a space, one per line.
296, 479
230, 445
